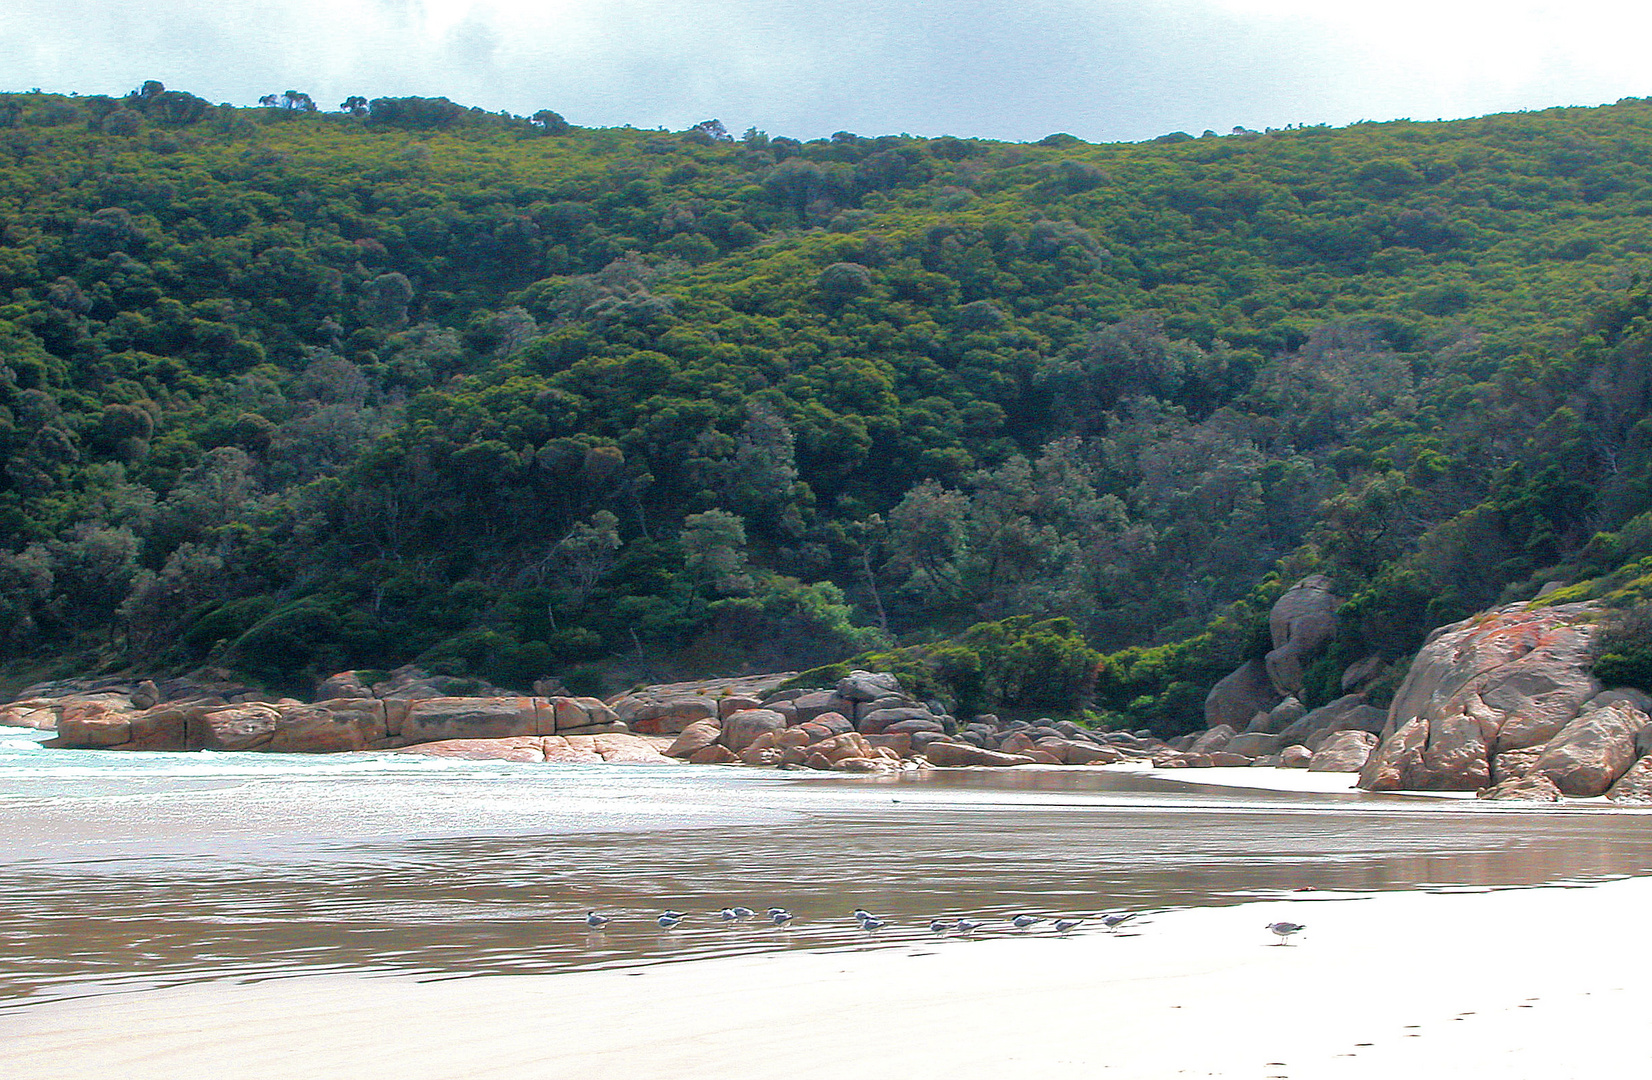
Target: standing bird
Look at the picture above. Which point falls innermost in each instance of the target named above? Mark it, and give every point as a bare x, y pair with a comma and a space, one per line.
780, 916
1117, 919
595, 921
1021, 922
728, 915
776, 911
861, 915
669, 920
968, 926
939, 926
872, 922
1062, 926
744, 913
1284, 930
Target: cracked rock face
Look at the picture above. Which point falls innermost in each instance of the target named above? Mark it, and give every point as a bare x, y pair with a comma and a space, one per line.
1502, 681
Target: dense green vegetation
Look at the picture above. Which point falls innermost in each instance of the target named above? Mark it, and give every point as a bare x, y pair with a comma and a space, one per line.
285, 390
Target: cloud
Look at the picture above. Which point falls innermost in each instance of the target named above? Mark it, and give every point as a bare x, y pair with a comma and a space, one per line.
1102, 69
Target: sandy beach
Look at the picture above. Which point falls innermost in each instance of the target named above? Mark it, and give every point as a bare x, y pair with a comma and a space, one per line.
257, 917
1542, 982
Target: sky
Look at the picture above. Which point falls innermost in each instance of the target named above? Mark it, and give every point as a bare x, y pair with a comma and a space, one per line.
1103, 70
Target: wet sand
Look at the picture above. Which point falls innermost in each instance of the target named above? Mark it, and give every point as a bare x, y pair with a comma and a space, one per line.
164, 881
272, 916
1517, 983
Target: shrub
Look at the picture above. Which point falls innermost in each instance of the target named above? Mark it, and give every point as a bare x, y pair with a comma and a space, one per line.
1624, 650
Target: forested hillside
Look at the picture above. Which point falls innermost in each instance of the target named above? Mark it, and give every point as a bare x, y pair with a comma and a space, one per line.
286, 391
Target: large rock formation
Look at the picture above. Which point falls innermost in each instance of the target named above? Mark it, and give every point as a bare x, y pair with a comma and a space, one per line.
1498, 700
341, 724
1238, 697
1299, 623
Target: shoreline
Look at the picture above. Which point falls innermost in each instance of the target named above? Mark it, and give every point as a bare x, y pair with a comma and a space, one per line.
1377, 984
1268, 779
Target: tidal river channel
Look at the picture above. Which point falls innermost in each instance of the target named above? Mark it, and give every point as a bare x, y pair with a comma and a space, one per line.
121, 872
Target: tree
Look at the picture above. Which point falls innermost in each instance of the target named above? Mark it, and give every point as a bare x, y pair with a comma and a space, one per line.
354, 105
582, 558
714, 551
550, 123
712, 131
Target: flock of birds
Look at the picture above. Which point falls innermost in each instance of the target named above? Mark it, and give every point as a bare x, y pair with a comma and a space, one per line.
779, 916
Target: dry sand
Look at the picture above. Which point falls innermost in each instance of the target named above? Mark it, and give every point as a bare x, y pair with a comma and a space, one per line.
1547, 983
1258, 779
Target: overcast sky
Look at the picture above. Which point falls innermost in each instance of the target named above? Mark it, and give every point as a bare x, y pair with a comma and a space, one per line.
1009, 69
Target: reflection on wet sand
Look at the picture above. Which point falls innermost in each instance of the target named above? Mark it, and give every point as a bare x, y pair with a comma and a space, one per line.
944, 844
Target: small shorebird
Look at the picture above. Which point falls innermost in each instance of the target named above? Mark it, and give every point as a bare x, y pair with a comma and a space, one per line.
968, 926
1062, 926
595, 921
1117, 919
780, 916
775, 911
669, 920
744, 913
1021, 922
1284, 930
872, 922
728, 915
861, 915
939, 926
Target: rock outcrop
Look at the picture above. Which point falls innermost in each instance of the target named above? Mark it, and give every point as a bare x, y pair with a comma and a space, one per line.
1238, 697
668, 708
1345, 751
1300, 623
1592, 753
1505, 704
1504, 680
324, 727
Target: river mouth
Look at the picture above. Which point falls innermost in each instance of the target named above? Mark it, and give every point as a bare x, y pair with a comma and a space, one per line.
130, 871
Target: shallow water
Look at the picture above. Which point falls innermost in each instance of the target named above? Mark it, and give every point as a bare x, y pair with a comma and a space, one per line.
125, 871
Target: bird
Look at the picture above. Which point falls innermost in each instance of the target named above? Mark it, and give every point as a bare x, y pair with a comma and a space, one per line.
968, 926
595, 921
872, 922
939, 926
744, 913
780, 917
1283, 930
1117, 919
674, 912
777, 911
1021, 922
669, 920
728, 915
1064, 925
861, 915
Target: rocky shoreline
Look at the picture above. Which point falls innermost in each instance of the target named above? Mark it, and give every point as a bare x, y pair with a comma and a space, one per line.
865, 724
1504, 704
